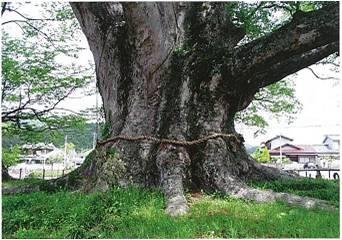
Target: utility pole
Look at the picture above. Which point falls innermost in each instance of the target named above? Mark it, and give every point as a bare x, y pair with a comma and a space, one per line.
94, 140
97, 112
280, 150
65, 150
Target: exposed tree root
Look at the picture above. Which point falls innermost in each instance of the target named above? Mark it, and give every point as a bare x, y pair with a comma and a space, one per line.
21, 189
239, 189
262, 172
176, 205
224, 174
171, 163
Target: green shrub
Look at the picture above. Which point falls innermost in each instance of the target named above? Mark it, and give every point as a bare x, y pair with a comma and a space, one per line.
262, 155
10, 156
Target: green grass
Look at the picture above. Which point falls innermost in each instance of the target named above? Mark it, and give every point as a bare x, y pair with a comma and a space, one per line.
21, 182
48, 173
137, 213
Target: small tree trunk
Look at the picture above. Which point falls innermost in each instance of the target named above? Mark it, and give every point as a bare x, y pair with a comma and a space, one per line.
5, 175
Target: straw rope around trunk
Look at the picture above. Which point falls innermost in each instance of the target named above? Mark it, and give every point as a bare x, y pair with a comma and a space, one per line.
171, 141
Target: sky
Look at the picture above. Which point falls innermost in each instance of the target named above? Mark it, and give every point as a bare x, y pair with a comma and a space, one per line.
321, 113
321, 100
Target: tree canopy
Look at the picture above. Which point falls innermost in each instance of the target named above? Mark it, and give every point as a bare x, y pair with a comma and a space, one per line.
279, 99
36, 78
10, 156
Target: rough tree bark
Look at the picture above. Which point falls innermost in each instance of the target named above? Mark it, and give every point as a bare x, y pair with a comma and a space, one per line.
176, 71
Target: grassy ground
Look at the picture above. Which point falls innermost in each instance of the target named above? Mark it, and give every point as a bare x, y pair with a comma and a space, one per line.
17, 182
48, 173
136, 213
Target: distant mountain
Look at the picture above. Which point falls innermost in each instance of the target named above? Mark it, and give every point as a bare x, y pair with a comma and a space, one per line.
81, 138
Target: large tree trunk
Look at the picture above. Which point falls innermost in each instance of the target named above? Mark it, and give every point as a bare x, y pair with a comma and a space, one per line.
172, 71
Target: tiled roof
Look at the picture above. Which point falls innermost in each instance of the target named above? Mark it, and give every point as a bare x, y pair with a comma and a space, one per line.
278, 136
322, 148
303, 149
306, 148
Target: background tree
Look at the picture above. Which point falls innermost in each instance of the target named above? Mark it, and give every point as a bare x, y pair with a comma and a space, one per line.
278, 100
9, 157
262, 155
36, 78
34, 83
57, 158
81, 134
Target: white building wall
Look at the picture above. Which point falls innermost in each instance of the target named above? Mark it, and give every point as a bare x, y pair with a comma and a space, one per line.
336, 145
278, 142
333, 144
305, 159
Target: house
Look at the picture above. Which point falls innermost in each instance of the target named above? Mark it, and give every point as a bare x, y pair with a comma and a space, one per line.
296, 153
35, 153
42, 153
37, 149
303, 153
329, 150
277, 141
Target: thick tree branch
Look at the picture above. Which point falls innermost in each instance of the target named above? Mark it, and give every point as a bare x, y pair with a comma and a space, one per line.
293, 64
280, 70
308, 38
